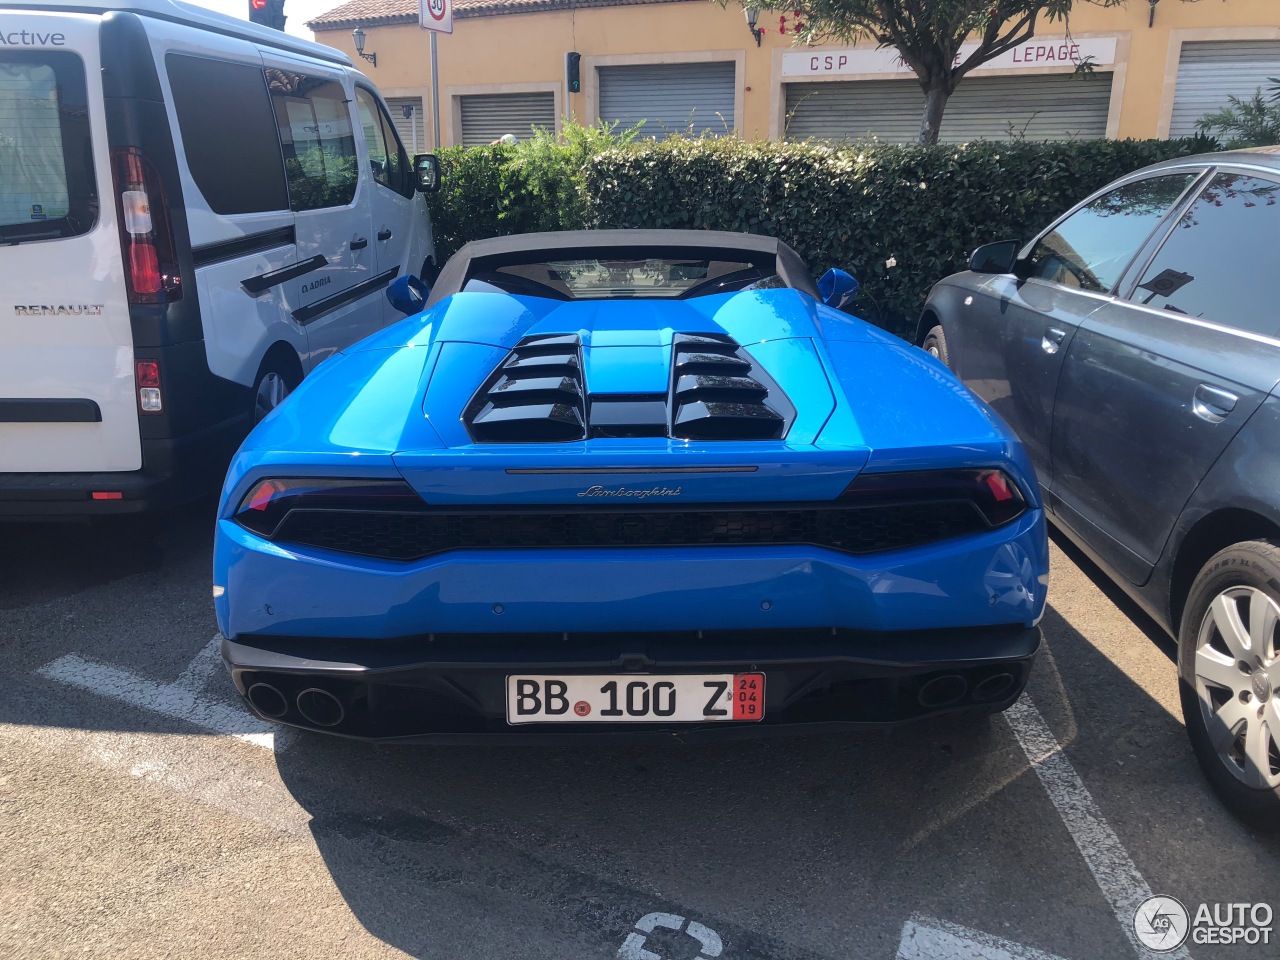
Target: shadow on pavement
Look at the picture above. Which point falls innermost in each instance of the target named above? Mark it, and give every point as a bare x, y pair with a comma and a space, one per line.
803, 847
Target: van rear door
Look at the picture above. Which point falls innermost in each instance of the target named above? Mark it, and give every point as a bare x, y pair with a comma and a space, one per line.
67, 392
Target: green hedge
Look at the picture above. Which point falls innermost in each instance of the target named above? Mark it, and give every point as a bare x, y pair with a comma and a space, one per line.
856, 206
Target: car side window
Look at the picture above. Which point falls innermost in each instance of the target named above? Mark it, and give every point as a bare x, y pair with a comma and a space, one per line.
401, 168
229, 134
374, 141
387, 155
317, 138
1091, 248
1219, 260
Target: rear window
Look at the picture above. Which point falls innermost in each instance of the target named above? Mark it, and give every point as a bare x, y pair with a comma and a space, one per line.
668, 278
47, 185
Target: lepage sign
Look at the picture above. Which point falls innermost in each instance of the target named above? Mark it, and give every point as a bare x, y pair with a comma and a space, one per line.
436, 15
1042, 52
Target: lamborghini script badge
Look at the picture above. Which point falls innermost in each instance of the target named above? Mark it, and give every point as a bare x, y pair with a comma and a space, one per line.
598, 491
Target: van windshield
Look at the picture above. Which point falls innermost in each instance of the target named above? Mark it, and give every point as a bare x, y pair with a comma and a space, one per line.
47, 184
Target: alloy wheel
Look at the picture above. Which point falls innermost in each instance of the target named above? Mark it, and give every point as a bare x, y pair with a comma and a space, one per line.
1238, 683
271, 393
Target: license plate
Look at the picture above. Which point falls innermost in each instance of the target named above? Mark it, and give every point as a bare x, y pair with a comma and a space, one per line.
636, 699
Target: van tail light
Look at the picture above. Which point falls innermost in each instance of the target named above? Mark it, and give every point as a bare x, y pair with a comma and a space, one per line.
146, 375
268, 502
146, 237
992, 492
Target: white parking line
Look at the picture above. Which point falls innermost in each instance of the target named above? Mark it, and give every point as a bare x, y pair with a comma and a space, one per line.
925, 938
180, 699
1117, 876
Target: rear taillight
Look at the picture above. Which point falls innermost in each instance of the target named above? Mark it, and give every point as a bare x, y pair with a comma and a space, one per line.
146, 375
993, 492
268, 502
146, 237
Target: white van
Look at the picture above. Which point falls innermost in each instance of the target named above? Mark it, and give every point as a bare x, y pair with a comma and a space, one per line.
194, 212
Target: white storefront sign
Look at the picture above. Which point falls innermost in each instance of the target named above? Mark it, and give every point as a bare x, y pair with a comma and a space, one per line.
1037, 53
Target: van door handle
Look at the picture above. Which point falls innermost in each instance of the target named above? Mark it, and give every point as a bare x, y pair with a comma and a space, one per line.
1213, 404
384, 234
359, 243
1053, 338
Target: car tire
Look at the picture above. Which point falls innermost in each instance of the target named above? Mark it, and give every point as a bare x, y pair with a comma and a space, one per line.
1229, 671
274, 382
935, 344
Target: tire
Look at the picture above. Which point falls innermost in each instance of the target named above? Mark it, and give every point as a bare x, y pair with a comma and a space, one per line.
935, 343
1229, 673
275, 382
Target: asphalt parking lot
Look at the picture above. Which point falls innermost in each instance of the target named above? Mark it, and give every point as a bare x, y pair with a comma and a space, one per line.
144, 814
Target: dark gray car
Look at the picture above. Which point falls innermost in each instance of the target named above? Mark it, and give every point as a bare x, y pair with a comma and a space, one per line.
1135, 347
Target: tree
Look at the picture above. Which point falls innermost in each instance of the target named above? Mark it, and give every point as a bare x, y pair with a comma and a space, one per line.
928, 34
1254, 122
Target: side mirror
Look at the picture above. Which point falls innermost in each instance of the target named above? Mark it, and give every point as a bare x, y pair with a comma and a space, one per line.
995, 257
408, 295
837, 288
426, 171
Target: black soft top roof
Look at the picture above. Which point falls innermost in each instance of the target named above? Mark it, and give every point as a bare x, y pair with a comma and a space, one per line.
483, 255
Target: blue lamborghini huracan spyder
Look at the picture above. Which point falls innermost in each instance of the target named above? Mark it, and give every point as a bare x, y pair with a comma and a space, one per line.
628, 481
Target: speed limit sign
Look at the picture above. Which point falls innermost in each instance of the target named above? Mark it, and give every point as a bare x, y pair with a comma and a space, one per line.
436, 15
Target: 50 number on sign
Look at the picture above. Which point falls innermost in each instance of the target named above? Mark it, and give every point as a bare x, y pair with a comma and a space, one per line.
621, 699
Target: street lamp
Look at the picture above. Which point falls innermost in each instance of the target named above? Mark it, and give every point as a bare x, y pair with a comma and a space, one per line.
753, 17
358, 36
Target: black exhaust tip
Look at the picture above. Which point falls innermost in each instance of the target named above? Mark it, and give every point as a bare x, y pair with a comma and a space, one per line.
943, 691
320, 707
994, 687
268, 700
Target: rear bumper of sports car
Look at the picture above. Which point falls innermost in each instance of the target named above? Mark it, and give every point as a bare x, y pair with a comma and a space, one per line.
421, 650
440, 688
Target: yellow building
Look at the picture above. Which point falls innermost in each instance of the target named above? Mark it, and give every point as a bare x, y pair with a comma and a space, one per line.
690, 65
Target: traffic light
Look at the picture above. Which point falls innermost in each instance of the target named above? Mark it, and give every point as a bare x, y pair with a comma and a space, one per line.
573, 71
268, 13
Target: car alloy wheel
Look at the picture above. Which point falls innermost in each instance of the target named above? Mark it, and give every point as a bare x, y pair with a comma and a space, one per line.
1229, 666
269, 394
1236, 677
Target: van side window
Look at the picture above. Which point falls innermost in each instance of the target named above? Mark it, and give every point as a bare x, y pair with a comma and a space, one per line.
228, 134
317, 139
387, 155
1219, 261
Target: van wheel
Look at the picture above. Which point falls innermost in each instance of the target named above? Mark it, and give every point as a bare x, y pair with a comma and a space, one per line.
935, 343
274, 383
1229, 668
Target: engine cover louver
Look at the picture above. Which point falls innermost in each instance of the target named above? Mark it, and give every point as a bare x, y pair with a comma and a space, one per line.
535, 395
718, 393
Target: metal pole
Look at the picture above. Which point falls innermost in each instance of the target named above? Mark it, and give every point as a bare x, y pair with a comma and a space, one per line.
435, 95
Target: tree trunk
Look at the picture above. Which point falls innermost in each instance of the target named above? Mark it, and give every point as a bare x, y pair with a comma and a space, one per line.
935, 102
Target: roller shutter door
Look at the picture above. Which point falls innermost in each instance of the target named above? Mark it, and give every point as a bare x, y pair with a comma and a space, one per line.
487, 117
669, 98
1211, 70
408, 126
1039, 107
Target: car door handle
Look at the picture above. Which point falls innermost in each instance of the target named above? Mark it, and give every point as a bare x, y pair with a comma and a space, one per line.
1212, 403
359, 243
384, 234
1053, 338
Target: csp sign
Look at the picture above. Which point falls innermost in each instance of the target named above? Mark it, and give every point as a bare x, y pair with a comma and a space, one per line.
436, 15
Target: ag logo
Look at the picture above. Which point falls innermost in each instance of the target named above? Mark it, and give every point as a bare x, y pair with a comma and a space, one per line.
1161, 923
634, 946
